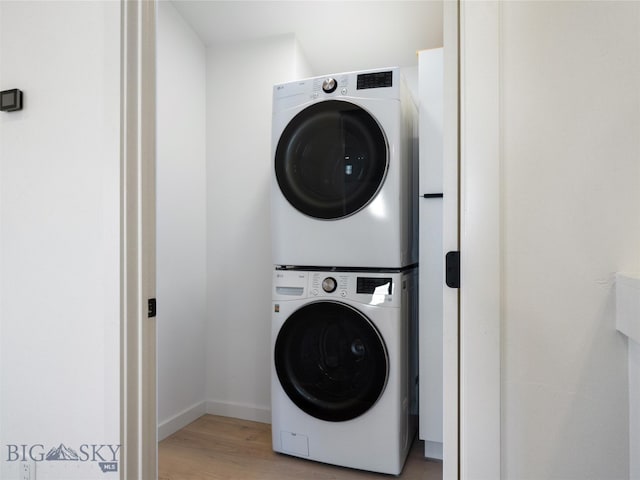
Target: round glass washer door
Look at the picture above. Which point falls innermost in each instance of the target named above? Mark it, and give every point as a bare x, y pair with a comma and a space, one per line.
331, 159
331, 361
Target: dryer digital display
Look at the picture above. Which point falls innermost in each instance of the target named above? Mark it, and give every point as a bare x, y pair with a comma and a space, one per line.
375, 80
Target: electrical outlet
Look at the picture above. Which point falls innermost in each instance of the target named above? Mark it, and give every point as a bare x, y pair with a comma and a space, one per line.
27, 471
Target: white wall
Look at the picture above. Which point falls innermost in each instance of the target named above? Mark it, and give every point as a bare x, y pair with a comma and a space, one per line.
571, 218
240, 78
181, 221
59, 232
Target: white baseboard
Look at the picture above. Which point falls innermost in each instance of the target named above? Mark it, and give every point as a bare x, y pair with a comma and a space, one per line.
433, 450
238, 410
180, 420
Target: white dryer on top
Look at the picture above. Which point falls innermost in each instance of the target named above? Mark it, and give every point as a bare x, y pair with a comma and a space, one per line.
344, 185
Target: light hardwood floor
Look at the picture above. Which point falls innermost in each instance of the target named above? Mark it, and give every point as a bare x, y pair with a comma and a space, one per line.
216, 447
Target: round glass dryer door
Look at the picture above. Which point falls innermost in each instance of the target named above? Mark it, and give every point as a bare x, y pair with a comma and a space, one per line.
331, 160
331, 361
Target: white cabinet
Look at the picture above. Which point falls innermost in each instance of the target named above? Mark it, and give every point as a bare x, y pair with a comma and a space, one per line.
431, 256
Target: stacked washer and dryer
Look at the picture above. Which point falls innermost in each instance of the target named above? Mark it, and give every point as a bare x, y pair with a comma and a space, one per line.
344, 218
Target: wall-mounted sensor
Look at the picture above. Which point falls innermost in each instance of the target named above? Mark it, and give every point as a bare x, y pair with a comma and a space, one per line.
10, 100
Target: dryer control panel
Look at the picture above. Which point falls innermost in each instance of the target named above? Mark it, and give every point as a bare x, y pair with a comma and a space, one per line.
380, 83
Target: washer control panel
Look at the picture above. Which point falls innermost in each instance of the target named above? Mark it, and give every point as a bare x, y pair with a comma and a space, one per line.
329, 284
370, 288
362, 287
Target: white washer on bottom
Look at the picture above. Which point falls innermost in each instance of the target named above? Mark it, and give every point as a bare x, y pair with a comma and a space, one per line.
342, 384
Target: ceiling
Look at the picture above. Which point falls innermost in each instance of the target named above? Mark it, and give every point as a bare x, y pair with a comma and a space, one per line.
336, 36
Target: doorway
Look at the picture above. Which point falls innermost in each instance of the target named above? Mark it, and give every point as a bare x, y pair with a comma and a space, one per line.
194, 409
223, 185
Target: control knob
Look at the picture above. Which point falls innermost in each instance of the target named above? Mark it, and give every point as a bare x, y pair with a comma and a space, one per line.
329, 284
329, 85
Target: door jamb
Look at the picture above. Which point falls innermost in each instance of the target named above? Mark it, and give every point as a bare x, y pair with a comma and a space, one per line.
451, 242
472, 454
480, 240
138, 403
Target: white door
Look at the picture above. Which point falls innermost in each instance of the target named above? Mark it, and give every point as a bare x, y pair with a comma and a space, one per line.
479, 243
471, 314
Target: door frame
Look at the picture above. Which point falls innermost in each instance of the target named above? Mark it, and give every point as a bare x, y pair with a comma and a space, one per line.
480, 198
450, 242
472, 142
138, 402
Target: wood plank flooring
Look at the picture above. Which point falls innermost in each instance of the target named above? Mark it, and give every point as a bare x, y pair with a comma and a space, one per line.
219, 448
